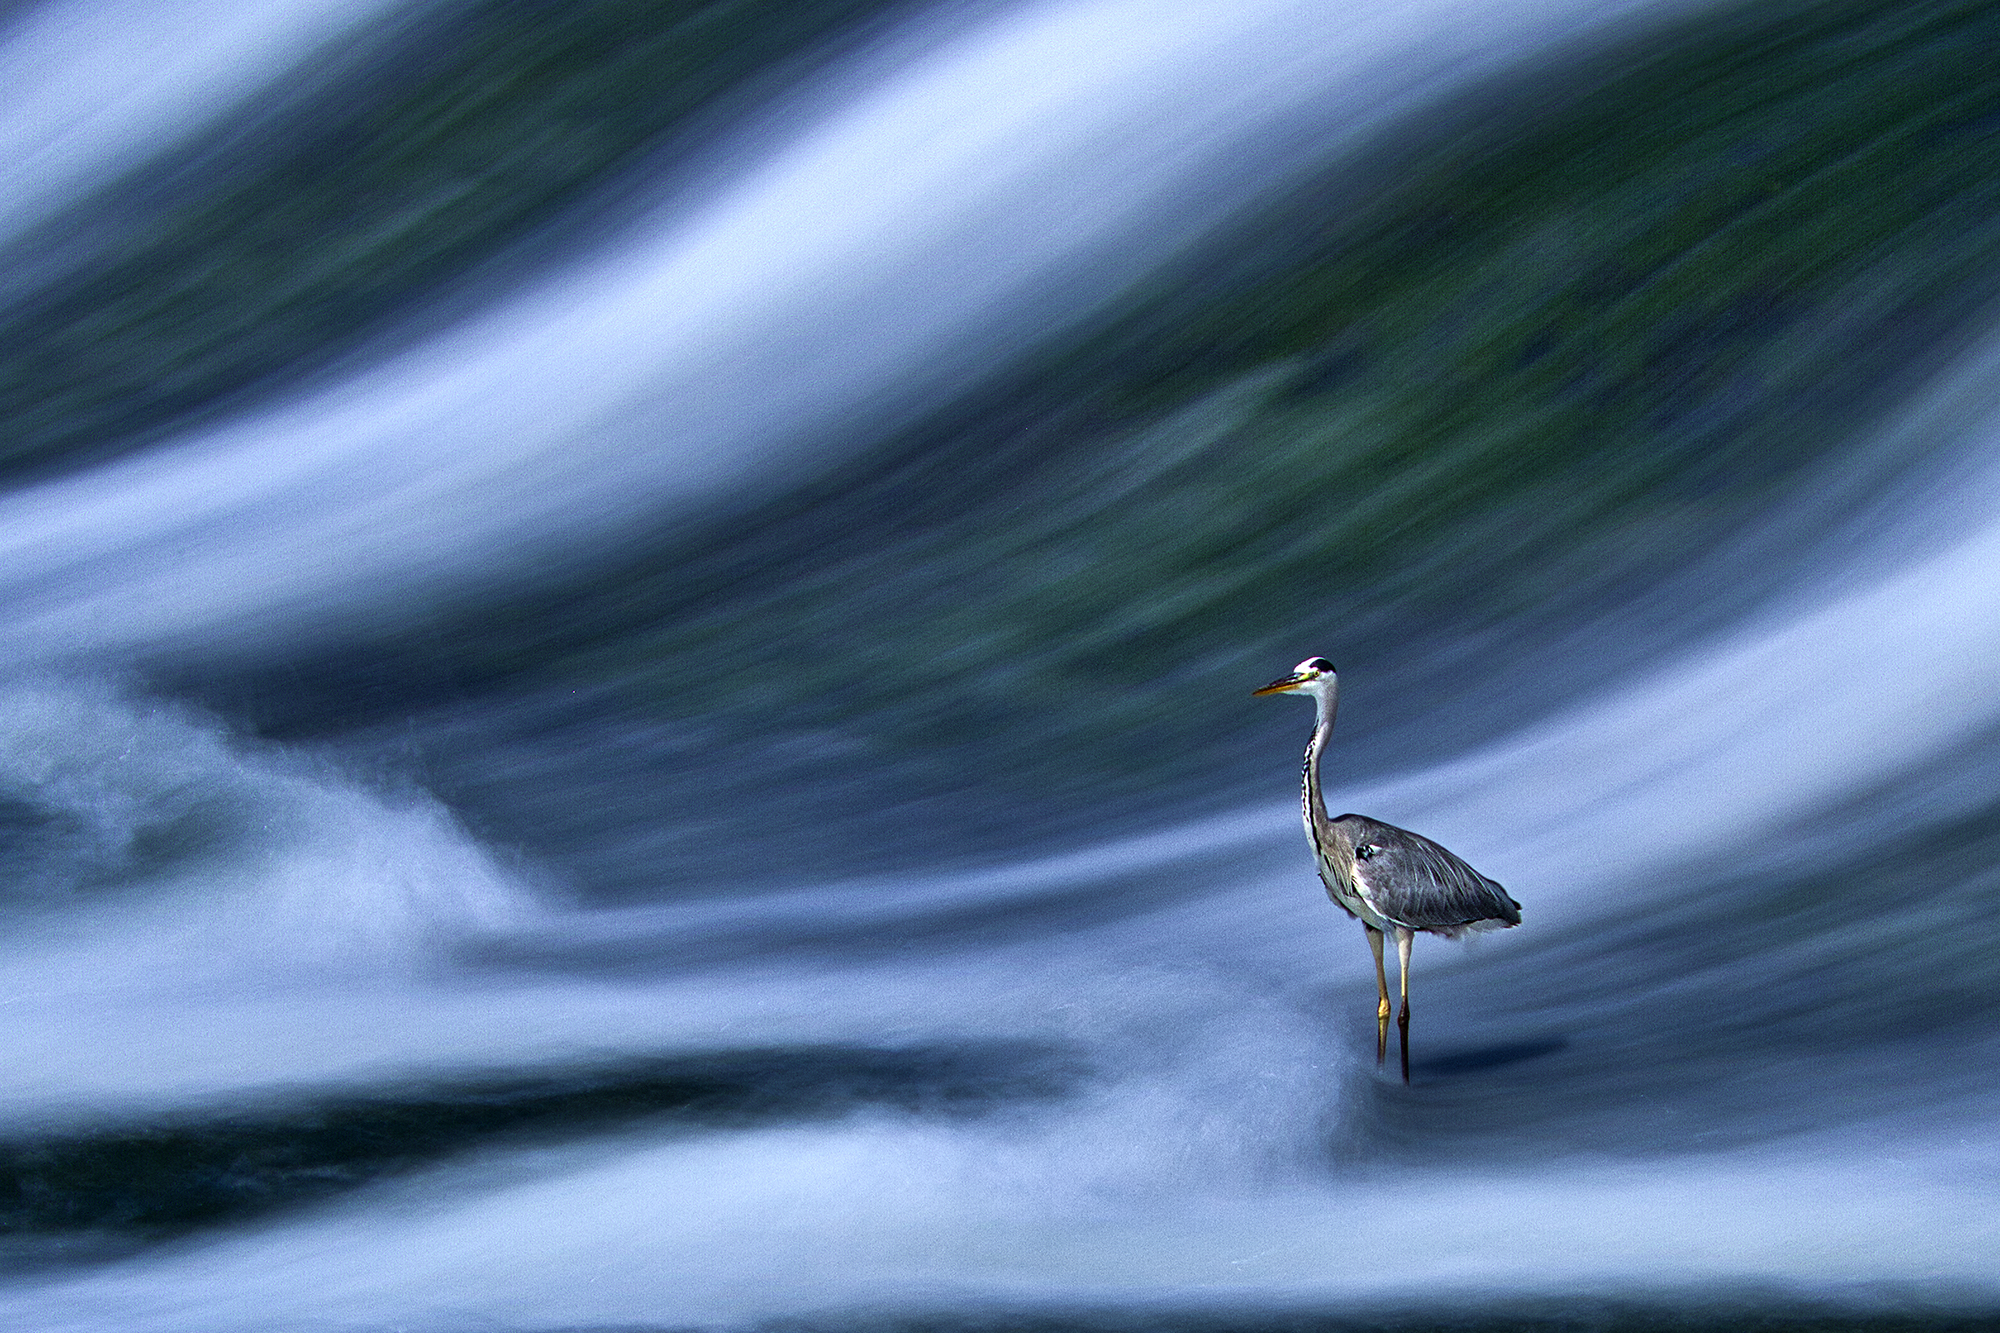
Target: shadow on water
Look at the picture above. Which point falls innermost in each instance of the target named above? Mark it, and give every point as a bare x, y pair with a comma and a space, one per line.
1482, 1058
174, 1175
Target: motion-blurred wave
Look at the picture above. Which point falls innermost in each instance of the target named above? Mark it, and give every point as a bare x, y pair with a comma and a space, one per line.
629, 635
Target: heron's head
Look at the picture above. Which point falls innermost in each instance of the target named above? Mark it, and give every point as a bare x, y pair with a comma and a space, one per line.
1314, 676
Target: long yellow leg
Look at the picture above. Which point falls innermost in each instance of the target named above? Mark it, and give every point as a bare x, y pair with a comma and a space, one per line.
1404, 935
1382, 992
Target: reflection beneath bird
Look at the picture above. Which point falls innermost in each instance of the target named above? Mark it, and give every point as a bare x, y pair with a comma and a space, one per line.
1392, 879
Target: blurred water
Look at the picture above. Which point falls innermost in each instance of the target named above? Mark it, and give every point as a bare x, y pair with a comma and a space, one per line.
911, 228
93, 89
648, 727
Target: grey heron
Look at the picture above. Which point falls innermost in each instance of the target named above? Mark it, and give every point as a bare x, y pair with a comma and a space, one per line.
1393, 880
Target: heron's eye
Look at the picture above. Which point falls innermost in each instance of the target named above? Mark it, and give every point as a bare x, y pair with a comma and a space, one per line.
1366, 850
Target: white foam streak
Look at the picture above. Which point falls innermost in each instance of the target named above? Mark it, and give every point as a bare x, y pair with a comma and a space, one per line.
93, 86
903, 232
168, 893
1771, 725
898, 1215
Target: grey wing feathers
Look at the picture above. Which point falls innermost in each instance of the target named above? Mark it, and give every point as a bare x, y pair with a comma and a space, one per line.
1414, 882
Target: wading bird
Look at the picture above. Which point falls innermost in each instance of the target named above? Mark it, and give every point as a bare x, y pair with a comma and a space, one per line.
1390, 878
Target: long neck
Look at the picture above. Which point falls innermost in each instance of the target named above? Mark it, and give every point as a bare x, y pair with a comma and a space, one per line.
1318, 827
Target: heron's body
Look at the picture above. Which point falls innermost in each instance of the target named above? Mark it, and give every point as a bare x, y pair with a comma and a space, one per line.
1395, 881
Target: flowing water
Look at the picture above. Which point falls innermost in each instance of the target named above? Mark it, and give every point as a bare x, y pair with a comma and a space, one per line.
629, 632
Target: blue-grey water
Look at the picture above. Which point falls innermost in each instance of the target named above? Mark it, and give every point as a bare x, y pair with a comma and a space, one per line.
624, 699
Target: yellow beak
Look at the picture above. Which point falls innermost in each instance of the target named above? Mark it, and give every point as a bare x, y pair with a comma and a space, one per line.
1280, 686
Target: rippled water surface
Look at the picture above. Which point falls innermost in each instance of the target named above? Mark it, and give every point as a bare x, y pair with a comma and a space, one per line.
629, 631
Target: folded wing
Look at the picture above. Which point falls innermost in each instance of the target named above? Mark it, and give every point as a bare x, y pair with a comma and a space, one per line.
1411, 881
